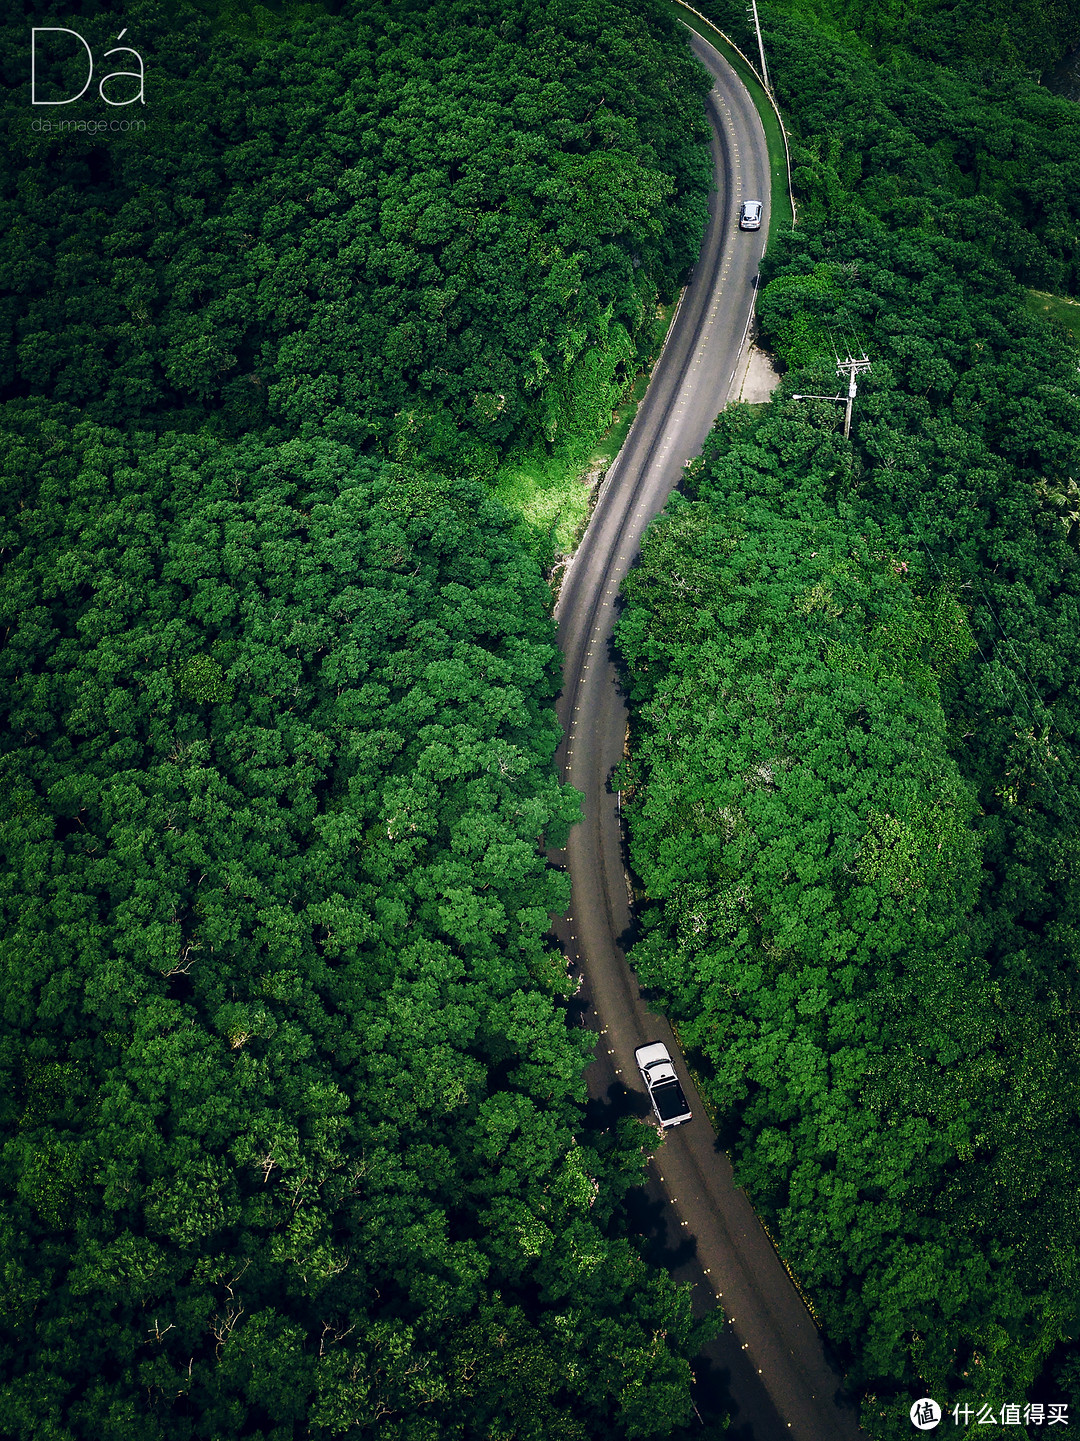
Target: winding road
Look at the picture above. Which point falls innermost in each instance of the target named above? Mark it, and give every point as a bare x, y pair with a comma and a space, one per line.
769, 1364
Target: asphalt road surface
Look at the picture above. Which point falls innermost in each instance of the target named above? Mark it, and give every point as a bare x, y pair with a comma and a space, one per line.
769, 1368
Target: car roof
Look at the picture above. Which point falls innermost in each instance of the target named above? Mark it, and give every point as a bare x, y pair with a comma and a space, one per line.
646, 1055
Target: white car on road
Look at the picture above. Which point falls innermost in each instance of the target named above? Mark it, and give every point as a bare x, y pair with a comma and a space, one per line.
666, 1094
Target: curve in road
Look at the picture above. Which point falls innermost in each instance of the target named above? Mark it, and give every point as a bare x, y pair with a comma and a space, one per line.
770, 1355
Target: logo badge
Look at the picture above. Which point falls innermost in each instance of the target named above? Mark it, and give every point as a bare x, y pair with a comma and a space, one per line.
139, 75
925, 1414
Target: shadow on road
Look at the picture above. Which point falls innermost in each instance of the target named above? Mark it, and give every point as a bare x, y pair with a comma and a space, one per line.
602, 1112
725, 1383
648, 1211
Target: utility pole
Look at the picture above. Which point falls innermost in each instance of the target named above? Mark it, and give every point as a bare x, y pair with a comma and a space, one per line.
853, 367
760, 46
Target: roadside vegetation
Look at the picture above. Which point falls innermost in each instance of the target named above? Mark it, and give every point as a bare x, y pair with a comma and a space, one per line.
553, 486
1060, 308
436, 232
294, 1138
854, 780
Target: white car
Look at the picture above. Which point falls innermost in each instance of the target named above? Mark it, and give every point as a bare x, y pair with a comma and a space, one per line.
750, 215
658, 1073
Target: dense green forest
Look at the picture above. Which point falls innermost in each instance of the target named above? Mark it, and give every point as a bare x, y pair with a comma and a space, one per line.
437, 231
854, 776
294, 1133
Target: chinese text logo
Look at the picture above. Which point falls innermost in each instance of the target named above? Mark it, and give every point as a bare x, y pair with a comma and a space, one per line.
925, 1414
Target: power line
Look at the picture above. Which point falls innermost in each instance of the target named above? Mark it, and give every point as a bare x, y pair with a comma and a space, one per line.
855, 366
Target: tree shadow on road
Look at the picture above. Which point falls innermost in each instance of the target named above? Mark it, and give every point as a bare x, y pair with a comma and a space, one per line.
649, 1216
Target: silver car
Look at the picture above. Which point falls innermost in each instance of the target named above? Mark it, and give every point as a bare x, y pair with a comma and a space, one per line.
750, 215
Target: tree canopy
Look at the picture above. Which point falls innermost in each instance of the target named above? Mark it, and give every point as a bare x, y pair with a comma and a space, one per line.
293, 1113
414, 228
